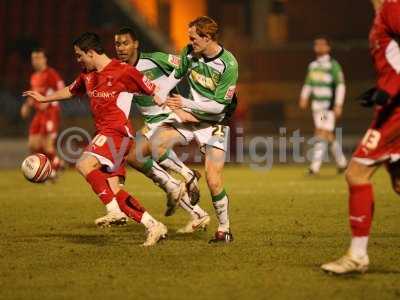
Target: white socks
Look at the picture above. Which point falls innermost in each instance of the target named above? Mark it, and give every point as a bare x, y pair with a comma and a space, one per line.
113, 206
358, 246
147, 220
171, 161
221, 205
195, 211
160, 176
318, 155
337, 153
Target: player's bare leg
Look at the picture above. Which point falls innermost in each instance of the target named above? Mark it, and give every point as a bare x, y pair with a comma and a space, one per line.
361, 207
90, 168
50, 150
170, 161
35, 143
163, 140
139, 157
394, 171
214, 165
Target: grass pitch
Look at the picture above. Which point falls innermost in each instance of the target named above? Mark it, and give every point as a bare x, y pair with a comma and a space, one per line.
285, 225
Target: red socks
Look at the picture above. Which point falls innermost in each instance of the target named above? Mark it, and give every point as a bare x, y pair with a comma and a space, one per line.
361, 209
98, 181
130, 206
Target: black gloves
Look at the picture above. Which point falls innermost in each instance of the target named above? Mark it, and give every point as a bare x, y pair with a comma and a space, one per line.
373, 96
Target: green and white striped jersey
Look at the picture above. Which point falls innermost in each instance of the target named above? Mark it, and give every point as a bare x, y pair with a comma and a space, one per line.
324, 83
211, 80
157, 66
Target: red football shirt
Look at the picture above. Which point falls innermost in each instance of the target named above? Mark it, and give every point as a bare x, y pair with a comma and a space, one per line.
384, 46
110, 93
46, 82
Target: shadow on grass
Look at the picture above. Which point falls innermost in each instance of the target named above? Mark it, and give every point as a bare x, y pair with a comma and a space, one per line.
377, 270
107, 236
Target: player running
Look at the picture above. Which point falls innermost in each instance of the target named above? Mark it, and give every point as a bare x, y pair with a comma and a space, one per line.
325, 86
44, 126
212, 72
157, 66
109, 85
381, 143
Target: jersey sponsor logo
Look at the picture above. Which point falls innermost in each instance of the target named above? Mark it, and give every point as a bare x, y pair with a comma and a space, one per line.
320, 76
101, 94
174, 60
204, 81
147, 82
230, 92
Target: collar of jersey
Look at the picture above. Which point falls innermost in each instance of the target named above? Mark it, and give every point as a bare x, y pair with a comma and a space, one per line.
324, 58
111, 63
208, 59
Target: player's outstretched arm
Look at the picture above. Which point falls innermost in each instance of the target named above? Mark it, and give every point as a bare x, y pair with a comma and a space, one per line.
178, 102
26, 109
62, 94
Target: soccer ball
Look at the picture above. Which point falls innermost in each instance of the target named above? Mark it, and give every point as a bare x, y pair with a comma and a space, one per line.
36, 167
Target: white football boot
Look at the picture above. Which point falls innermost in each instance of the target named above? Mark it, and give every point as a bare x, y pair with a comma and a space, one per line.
155, 233
173, 199
347, 264
112, 218
195, 224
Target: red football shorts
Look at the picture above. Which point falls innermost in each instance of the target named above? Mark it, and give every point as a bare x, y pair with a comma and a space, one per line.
46, 122
381, 142
111, 151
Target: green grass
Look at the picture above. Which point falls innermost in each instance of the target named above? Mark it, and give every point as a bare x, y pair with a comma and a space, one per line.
285, 225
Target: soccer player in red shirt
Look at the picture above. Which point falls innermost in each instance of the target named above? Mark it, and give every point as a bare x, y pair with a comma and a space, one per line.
43, 129
381, 143
109, 84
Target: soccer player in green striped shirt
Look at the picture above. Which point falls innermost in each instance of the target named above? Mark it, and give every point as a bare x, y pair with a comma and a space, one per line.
158, 66
212, 72
325, 87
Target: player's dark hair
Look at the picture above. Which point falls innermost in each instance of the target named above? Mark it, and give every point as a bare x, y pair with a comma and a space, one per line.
39, 50
325, 38
89, 41
127, 30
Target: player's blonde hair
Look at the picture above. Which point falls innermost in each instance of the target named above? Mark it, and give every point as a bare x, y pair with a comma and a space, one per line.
205, 26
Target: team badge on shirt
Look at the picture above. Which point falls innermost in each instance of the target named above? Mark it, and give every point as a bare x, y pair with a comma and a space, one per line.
230, 92
148, 83
174, 60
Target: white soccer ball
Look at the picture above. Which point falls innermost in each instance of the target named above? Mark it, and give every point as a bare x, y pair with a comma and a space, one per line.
36, 167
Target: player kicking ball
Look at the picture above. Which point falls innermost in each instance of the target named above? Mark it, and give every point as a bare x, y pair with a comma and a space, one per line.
381, 143
109, 85
157, 66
